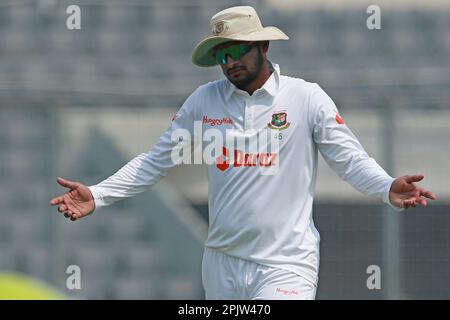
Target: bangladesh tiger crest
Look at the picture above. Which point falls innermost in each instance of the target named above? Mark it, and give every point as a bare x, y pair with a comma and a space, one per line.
279, 121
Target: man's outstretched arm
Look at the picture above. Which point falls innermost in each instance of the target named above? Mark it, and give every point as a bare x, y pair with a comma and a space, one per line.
345, 155
136, 176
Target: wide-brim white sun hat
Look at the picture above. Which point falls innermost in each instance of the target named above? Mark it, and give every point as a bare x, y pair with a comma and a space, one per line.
236, 23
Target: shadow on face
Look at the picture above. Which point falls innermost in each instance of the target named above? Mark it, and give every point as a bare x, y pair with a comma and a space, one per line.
243, 71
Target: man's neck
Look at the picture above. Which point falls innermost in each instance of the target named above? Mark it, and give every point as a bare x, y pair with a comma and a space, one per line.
266, 72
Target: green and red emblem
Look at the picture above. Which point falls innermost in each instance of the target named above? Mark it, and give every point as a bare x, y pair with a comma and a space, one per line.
279, 121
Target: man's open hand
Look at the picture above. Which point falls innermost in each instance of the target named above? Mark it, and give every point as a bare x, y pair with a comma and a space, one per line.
405, 193
75, 204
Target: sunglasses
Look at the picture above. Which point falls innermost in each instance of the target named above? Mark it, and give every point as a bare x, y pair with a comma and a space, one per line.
235, 51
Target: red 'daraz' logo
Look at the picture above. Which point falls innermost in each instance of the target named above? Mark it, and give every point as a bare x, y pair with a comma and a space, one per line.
245, 159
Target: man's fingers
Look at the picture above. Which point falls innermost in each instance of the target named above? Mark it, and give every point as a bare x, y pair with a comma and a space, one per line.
414, 202
62, 208
409, 203
414, 178
72, 216
67, 214
67, 183
76, 215
56, 201
428, 194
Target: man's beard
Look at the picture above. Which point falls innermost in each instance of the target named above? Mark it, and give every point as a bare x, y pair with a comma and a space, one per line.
251, 76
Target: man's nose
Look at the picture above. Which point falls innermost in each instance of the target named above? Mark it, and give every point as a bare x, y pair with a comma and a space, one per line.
230, 62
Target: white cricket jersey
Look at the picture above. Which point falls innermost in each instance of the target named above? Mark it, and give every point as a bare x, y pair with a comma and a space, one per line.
262, 218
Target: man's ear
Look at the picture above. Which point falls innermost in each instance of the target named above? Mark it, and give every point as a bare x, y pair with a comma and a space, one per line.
265, 46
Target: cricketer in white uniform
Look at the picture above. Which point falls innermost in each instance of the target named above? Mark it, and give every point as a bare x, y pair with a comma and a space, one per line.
261, 243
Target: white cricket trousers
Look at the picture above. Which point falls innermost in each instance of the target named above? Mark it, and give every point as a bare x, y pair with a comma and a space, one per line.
229, 278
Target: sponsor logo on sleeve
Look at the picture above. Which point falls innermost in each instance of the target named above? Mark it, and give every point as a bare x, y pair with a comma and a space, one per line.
339, 119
